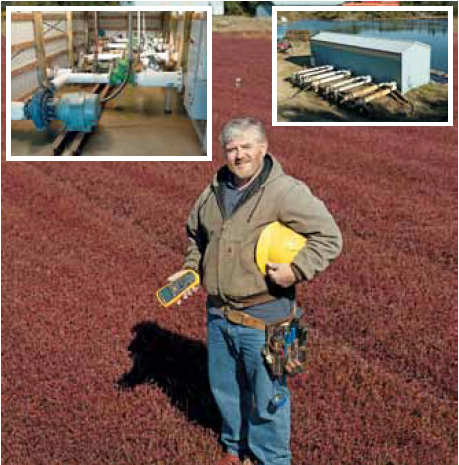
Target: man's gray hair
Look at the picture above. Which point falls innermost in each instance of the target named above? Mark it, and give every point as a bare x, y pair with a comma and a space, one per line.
237, 126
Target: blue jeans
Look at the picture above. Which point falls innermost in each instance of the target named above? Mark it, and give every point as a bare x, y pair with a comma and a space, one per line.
244, 391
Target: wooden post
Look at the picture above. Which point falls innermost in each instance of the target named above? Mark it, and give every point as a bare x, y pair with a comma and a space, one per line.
69, 24
186, 40
166, 16
173, 22
40, 47
86, 31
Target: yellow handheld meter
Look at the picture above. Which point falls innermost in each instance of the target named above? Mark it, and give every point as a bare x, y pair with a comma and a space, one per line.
172, 292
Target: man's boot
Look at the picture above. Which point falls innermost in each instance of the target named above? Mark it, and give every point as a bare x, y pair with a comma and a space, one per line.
229, 459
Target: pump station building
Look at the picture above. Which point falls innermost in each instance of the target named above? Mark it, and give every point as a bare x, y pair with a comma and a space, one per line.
405, 62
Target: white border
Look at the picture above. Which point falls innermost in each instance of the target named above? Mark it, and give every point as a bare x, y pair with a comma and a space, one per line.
448, 9
206, 157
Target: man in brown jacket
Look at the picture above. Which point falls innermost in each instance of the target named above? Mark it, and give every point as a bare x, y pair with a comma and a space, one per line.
248, 193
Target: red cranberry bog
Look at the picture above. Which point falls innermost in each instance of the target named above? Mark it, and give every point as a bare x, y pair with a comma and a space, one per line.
95, 372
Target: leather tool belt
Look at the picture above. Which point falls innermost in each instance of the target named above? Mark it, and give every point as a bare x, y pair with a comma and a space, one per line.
238, 317
285, 340
285, 346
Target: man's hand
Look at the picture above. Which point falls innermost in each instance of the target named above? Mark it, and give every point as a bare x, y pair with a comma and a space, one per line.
281, 274
188, 293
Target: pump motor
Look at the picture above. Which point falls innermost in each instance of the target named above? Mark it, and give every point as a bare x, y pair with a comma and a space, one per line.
78, 111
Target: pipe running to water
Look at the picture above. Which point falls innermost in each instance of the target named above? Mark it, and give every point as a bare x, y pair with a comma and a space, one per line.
130, 60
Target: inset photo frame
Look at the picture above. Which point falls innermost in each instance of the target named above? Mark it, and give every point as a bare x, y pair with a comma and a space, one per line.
129, 83
362, 66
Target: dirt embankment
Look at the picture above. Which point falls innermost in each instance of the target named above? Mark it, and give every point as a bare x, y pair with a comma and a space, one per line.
242, 26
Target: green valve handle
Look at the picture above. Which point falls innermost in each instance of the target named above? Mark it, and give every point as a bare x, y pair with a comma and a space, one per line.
118, 74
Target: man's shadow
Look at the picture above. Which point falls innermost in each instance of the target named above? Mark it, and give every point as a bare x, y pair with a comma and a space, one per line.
176, 364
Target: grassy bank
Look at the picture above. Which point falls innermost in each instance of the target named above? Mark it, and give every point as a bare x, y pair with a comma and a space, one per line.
342, 15
240, 24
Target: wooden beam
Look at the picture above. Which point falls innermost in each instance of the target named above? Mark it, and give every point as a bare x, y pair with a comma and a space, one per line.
34, 64
31, 43
40, 46
29, 16
69, 24
173, 25
120, 18
123, 29
24, 69
166, 15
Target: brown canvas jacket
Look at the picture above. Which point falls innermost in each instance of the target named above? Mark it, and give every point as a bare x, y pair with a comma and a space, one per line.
223, 251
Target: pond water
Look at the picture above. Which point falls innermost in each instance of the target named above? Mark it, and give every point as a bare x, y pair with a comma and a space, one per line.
430, 31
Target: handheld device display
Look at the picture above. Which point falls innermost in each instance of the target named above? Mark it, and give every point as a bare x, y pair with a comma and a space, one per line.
173, 291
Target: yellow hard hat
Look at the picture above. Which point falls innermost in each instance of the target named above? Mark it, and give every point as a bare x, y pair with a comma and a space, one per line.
278, 244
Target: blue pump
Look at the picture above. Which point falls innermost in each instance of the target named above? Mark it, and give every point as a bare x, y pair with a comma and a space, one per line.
78, 111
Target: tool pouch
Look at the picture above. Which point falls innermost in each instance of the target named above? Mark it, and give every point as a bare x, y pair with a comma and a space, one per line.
285, 347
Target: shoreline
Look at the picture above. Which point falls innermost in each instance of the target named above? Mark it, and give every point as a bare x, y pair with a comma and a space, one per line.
339, 20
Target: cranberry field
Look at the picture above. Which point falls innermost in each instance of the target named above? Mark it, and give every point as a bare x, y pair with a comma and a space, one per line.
95, 372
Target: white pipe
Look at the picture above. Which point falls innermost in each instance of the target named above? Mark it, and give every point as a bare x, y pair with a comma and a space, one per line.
320, 76
104, 57
138, 28
159, 79
17, 111
148, 78
119, 46
59, 81
391, 85
87, 78
313, 70
339, 85
315, 74
158, 56
61, 71
361, 82
65, 78
341, 75
148, 53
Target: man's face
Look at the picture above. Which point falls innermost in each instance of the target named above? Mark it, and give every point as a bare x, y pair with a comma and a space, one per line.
244, 156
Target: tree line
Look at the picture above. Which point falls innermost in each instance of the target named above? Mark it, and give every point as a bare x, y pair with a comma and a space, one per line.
231, 8
4, 4
249, 8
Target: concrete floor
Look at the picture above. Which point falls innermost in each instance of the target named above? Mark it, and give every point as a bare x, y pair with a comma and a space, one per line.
133, 124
